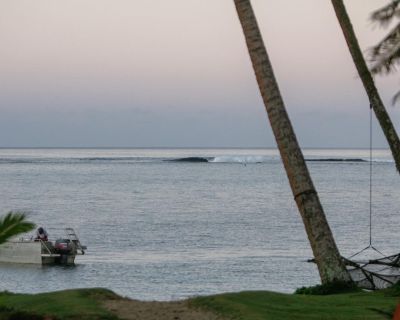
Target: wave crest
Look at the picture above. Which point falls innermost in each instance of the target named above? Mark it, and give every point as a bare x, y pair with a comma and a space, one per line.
240, 159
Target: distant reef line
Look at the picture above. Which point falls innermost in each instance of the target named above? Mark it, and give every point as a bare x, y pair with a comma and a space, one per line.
211, 159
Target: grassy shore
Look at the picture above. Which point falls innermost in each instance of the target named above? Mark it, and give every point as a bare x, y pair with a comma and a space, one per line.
271, 305
90, 304
85, 304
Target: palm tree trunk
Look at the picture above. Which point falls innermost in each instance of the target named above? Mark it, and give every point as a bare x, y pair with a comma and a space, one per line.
327, 257
374, 99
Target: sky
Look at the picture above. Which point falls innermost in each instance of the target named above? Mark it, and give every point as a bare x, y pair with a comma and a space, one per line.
156, 73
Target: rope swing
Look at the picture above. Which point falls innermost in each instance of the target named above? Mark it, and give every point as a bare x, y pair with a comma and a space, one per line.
375, 273
370, 245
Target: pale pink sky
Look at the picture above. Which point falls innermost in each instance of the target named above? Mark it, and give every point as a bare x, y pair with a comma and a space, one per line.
177, 73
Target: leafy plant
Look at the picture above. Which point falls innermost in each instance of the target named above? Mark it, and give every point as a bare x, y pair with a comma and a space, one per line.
12, 224
386, 54
329, 288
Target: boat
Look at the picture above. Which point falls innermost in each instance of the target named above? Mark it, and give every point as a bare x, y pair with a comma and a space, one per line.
46, 252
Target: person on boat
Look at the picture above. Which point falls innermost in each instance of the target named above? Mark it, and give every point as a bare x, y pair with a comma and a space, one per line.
41, 234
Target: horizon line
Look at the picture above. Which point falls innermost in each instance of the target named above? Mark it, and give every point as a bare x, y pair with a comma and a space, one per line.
187, 147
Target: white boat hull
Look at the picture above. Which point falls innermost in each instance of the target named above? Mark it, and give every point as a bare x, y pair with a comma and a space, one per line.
26, 252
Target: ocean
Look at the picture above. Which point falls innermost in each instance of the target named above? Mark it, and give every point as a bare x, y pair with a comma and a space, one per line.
217, 220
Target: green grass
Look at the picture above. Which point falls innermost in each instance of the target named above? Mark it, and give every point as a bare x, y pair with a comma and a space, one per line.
86, 304
83, 304
270, 305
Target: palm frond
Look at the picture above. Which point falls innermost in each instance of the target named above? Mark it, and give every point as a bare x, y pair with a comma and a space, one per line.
12, 224
395, 98
386, 54
385, 14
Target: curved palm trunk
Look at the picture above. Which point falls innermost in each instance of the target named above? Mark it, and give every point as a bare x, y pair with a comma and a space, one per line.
328, 259
368, 82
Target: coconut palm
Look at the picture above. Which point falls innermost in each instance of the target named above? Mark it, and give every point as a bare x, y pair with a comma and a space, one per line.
327, 257
12, 224
374, 98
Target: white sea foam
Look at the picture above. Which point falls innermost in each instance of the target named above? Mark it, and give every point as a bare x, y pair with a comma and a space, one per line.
240, 159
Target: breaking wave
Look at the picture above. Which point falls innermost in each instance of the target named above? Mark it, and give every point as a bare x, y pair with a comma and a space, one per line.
224, 159
242, 159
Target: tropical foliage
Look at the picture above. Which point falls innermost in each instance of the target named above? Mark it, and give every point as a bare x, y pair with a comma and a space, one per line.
12, 224
385, 56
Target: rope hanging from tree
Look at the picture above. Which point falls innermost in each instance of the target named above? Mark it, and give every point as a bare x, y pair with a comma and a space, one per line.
378, 273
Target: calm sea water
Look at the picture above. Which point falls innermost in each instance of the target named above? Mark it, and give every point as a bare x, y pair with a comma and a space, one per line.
160, 230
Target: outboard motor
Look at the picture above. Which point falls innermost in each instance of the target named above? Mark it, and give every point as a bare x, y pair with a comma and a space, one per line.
64, 247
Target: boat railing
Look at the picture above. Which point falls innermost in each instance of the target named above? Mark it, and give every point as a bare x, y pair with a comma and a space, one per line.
69, 233
73, 237
44, 245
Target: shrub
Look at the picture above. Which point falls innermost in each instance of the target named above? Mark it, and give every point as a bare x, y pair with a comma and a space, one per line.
329, 288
